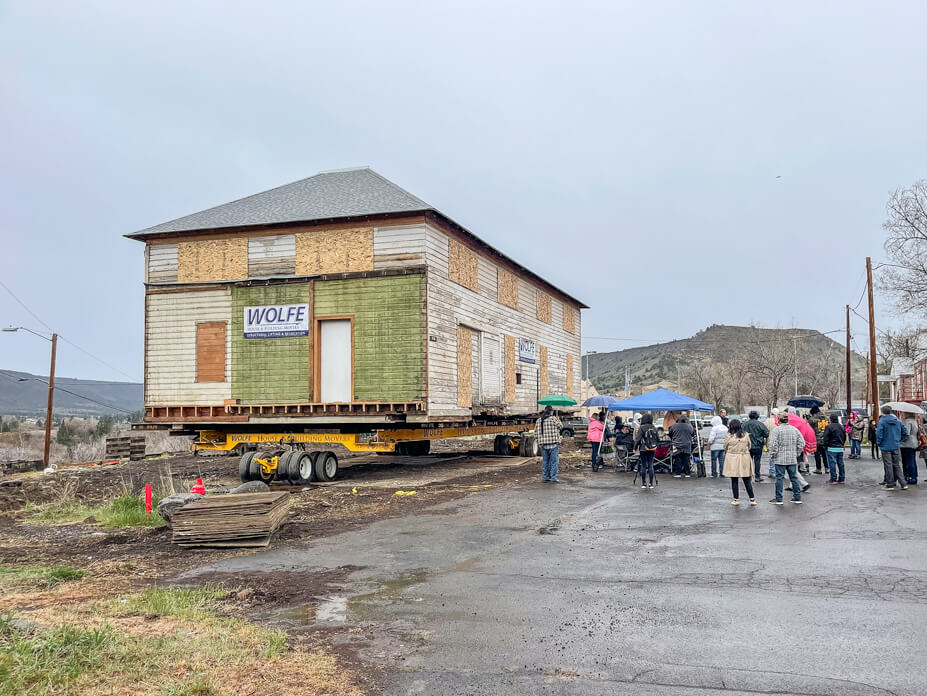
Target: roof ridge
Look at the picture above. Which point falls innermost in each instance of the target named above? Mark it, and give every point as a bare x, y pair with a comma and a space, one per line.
395, 185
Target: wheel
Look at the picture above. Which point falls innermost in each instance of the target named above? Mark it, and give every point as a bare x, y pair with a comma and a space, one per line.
244, 467
508, 446
532, 448
419, 448
566, 432
522, 443
326, 466
257, 471
299, 470
497, 444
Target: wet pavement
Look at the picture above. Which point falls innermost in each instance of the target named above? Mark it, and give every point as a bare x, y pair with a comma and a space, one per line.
594, 586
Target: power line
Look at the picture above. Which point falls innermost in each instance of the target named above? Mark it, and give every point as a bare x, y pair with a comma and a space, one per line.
65, 339
66, 391
23, 305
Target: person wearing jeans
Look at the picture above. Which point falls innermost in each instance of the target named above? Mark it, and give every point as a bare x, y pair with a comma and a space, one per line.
645, 441
857, 430
785, 446
547, 431
890, 433
595, 435
645, 462
716, 439
833, 439
758, 433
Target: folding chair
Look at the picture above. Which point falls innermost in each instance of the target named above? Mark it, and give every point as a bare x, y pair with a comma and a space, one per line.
663, 458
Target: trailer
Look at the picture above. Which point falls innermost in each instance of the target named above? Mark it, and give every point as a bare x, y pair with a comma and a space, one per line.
287, 457
343, 309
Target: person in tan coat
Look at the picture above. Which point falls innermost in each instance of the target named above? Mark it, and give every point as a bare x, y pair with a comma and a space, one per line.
738, 463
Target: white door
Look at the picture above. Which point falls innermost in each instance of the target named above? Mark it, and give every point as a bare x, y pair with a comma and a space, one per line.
490, 368
335, 360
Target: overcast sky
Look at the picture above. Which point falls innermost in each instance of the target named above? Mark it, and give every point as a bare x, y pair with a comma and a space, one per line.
629, 152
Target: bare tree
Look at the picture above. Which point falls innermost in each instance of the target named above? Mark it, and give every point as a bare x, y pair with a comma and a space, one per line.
711, 382
906, 246
769, 361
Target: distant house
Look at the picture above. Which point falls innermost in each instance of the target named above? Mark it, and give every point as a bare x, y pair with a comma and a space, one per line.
905, 386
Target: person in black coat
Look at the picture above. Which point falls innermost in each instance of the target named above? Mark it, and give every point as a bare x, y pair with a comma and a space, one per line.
834, 439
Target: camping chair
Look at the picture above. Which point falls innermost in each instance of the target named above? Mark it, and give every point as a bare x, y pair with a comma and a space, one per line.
663, 458
625, 459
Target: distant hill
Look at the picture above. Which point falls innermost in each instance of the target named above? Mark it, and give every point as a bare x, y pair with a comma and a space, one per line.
29, 397
658, 363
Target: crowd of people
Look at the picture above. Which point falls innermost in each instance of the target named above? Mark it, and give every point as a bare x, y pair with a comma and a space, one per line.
736, 448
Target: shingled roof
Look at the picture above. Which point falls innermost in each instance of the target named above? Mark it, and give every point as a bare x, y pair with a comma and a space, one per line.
343, 193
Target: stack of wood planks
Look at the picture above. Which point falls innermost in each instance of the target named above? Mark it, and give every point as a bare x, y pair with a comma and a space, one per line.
131, 447
235, 520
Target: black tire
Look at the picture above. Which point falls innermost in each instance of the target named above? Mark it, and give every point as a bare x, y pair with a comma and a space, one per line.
522, 446
257, 472
244, 467
419, 448
300, 469
326, 466
532, 448
566, 432
497, 444
507, 446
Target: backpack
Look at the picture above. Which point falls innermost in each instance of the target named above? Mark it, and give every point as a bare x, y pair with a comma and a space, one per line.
650, 440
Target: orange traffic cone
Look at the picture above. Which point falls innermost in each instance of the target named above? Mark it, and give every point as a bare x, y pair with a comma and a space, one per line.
199, 487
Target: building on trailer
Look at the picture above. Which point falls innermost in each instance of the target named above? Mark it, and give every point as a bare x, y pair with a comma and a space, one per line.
342, 298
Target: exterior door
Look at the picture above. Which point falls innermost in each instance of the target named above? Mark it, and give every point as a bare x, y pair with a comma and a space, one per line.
490, 369
335, 360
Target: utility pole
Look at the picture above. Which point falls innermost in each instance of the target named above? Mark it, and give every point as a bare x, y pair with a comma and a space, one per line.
849, 399
873, 367
51, 399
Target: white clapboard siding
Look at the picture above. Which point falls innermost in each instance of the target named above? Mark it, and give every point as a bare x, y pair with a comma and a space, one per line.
170, 340
450, 304
162, 263
398, 246
271, 255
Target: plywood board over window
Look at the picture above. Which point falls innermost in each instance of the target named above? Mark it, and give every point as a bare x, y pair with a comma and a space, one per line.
569, 319
464, 367
210, 351
206, 260
544, 312
508, 289
462, 266
510, 369
545, 386
569, 376
334, 251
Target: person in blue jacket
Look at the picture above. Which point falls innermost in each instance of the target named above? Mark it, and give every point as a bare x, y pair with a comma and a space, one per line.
890, 432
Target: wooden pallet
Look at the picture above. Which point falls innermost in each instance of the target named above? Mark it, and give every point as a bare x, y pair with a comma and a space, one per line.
236, 520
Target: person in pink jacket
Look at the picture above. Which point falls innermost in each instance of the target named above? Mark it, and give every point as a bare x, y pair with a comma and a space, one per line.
595, 435
811, 443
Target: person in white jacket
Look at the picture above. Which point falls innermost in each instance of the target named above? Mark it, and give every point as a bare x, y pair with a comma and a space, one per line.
716, 439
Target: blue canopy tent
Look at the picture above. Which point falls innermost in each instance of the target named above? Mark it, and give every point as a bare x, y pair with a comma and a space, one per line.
661, 400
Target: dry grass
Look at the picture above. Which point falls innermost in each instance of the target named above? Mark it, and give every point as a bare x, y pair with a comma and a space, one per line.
155, 642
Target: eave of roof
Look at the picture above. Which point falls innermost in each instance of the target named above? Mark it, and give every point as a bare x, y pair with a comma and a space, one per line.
416, 206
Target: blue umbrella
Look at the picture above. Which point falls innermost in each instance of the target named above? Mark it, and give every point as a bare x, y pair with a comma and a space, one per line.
600, 400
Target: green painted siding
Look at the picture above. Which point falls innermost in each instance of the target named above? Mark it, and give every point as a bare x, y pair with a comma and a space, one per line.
269, 370
389, 333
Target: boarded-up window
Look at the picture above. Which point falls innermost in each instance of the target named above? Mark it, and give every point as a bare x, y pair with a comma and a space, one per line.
545, 386
569, 376
334, 251
212, 259
509, 369
544, 307
462, 265
569, 319
271, 255
210, 351
464, 367
162, 263
508, 289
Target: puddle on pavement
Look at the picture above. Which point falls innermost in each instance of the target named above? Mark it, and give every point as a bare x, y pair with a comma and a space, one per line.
332, 609
363, 606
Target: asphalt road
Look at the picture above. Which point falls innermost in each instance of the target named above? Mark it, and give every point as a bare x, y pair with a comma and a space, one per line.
594, 586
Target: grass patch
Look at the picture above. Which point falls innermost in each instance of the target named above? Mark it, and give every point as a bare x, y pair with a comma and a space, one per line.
187, 603
125, 511
46, 662
39, 576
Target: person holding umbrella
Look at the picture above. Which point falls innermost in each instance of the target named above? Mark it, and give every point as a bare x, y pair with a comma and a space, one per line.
595, 435
547, 430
